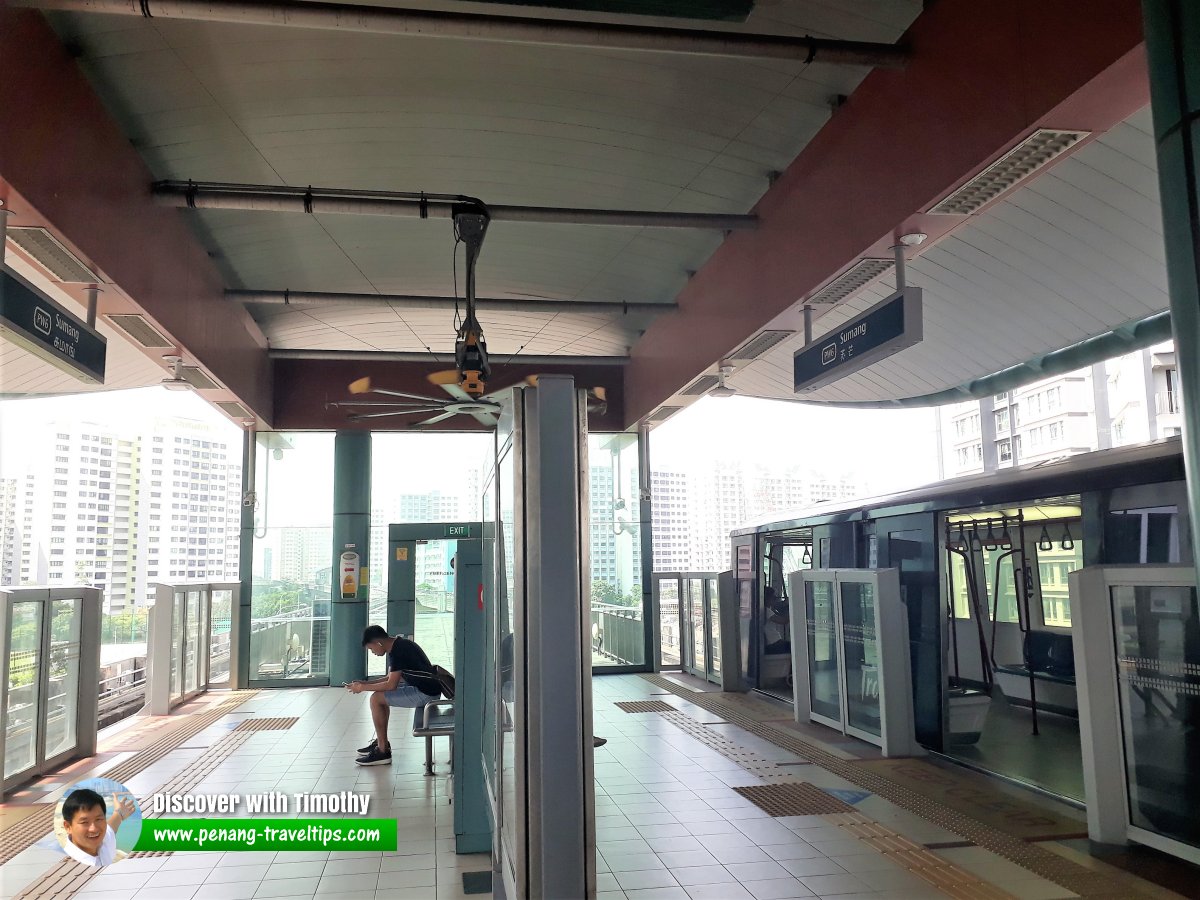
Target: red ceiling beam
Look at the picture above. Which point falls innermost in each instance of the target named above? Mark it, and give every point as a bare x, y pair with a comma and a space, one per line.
65, 164
982, 76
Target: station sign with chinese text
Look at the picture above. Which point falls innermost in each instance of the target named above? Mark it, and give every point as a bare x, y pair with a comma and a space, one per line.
888, 327
45, 328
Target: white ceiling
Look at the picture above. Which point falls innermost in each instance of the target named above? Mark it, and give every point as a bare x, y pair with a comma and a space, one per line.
513, 124
24, 374
1075, 253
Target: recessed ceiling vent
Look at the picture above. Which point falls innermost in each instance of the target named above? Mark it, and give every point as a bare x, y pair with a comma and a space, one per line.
760, 344
663, 413
136, 326
851, 281
233, 409
700, 386
198, 379
51, 255
1035, 152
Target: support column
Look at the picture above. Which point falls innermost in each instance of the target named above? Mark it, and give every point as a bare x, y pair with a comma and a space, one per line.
650, 612
239, 626
351, 532
1172, 33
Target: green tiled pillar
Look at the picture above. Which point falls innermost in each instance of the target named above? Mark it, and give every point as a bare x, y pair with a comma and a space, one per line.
351, 532
1173, 53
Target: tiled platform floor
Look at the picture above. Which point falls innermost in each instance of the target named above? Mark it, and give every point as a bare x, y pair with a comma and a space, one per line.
669, 825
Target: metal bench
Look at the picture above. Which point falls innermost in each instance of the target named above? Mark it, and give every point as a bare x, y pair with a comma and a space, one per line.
434, 719
1048, 657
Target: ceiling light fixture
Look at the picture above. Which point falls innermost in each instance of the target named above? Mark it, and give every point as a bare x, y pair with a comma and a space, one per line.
722, 389
176, 382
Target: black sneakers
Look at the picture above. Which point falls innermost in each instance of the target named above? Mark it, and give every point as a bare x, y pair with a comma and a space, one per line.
371, 746
375, 757
599, 741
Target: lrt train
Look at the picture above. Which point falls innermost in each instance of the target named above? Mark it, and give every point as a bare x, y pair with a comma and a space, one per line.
982, 564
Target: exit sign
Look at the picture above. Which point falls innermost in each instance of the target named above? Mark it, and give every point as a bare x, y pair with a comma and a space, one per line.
458, 531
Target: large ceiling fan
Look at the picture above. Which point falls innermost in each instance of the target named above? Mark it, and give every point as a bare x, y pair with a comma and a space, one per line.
484, 410
467, 382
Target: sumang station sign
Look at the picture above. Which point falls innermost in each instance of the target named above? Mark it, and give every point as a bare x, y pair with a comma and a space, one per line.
888, 327
45, 328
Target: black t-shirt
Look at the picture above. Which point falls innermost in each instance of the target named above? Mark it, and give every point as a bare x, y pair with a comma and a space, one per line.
407, 658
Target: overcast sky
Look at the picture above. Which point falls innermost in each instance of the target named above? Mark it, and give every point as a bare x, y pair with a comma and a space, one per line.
886, 449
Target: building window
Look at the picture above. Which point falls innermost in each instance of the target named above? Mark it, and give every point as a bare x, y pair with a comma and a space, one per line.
1005, 450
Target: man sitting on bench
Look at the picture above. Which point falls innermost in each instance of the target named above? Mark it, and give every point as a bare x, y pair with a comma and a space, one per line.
410, 683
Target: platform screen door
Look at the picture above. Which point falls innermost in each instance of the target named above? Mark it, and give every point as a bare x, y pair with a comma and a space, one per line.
840, 625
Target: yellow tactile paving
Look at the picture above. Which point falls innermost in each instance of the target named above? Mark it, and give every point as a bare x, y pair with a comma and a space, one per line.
1037, 860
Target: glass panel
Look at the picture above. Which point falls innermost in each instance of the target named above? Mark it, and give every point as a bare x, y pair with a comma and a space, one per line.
1006, 607
24, 655
825, 693
958, 572
177, 644
668, 623
714, 627
861, 649
695, 610
1053, 567
293, 559
616, 550
490, 669
505, 602
191, 666
62, 696
1158, 673
221, 616
422, 478
289, 614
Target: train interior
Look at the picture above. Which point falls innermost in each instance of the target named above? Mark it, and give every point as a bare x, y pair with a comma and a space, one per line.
781, 553
1008, 697
1012, 708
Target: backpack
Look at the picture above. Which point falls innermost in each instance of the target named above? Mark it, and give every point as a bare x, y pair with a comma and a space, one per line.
445, 681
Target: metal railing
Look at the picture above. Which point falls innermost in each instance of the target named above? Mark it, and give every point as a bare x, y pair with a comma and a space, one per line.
49, 661
618, 633
121, 695
1168, 403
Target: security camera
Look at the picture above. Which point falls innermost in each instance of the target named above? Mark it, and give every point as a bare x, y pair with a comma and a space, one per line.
277, 453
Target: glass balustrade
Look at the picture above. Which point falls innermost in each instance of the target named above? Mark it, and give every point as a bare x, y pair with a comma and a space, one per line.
193, 636
51, 664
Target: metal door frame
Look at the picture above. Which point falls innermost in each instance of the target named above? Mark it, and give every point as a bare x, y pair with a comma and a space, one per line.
825, 576
710, 603
88, 664
656, 580
1101, 729
689, 619
896, 735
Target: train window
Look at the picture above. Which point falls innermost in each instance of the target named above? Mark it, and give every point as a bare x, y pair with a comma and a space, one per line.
1053, 567
958, 573
1001, 592
1149, 535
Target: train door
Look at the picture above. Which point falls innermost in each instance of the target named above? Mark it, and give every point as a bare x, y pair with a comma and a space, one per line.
909, 544
1010, 700
781, 554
